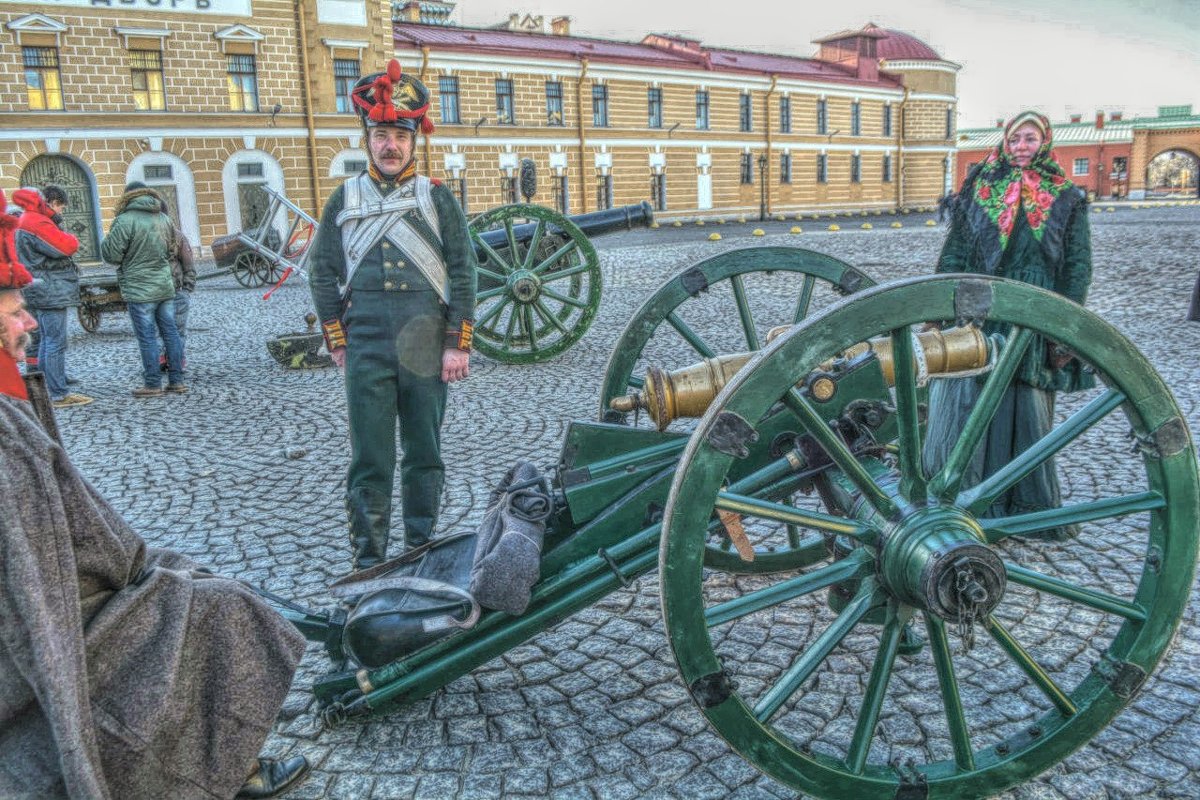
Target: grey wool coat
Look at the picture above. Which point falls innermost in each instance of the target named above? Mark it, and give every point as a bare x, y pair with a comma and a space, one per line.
124, 672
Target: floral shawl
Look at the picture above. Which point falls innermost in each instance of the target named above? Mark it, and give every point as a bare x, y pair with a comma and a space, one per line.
996, 189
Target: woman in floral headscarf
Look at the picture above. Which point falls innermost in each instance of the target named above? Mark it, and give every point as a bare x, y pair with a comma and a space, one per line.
1016, 216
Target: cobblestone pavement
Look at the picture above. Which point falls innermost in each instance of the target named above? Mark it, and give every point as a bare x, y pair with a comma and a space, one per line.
246, 473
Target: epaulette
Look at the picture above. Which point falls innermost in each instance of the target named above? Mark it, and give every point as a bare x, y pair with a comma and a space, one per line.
335, 334
461, 336
436, 181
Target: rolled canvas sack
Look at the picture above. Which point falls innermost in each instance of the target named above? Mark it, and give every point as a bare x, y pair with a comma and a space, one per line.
409, 601
508, 551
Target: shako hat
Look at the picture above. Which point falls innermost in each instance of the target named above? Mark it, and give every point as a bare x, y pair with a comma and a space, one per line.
392, 98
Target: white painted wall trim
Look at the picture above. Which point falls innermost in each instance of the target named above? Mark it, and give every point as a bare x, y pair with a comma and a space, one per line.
272, 176
185, 188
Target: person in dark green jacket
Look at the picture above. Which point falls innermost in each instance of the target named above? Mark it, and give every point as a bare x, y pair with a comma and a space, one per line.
1017, 216
140, 243
393, 280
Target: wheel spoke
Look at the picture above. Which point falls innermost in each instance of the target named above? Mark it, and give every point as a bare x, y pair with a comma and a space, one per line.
493, 256
550, 277
1018, 524
554, 257
512, 319
1030, 667
872, 703
803, 668
806, 292
743, 307
527, 315
977, 499
946, 483
839, 453
857, 565
545, 314
493, 312
912, 476
571, 301
690, 336
488, 294
489, 274
534, 241
778, 512
513, 252
960, 736
1100, 601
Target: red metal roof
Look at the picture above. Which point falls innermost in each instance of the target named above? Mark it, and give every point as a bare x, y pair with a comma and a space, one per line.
695, 56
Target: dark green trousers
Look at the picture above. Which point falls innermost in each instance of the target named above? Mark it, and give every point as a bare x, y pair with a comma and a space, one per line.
393, 373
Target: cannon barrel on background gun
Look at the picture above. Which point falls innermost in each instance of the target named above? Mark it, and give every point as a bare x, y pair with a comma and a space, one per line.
595, 223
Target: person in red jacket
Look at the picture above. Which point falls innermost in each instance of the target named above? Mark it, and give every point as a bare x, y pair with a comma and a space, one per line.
46, 249
16, 323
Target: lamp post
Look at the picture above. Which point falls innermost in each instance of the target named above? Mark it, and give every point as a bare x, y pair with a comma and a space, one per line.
762, 187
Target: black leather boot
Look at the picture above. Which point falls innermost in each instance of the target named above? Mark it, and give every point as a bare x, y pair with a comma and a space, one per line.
370, 515
274, 777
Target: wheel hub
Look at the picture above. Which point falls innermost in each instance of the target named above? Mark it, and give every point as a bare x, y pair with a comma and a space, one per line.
937, 559
524, 286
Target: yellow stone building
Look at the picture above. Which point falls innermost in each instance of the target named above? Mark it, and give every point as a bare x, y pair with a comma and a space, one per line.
207, 100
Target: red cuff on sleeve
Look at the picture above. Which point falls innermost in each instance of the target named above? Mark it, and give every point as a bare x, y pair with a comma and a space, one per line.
335, 334
461, 336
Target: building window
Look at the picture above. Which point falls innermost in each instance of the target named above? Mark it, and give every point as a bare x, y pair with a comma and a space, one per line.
346, 72
604, 191
353, 166
701, 111
887, 168
950, 122
157, 172
822, 168
145, 67
554, 103
745, 113
504, 102
1080, 167
856, 168
747, 169
856, 118
250, 169
1119, 167
887, 120
600, 107
43, 85
508, 190
562, 195
785, 115
785, 167
658, 191
822, 116
654, 107
243, 82
448, 99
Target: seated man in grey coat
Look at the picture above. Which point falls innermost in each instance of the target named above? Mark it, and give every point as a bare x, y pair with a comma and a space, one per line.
125, 671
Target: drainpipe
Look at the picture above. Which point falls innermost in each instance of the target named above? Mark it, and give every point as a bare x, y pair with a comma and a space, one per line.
900, 118
583, 71
423, 75
767, 119
314, 174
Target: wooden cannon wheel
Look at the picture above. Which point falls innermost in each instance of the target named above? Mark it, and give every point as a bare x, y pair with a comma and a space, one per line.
535, 299
251, 269
766, 697
89, 317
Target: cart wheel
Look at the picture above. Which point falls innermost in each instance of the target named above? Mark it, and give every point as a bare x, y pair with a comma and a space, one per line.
251, 270
89, 318
534, 300
1059, 654
715, 296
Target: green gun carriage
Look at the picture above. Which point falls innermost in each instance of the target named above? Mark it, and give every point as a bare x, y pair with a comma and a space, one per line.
797, 501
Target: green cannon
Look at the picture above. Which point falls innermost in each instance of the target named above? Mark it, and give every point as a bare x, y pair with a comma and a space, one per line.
802, 549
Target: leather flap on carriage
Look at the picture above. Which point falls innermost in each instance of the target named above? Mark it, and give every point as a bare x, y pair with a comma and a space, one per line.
442, 587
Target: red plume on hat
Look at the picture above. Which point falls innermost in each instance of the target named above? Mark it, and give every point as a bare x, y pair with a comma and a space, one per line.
375, 98
13, 274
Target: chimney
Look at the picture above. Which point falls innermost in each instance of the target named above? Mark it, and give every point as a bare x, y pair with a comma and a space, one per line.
999, 122
1077, 118
867, 68
1099, 119
411, 12
1115, 116
560, 26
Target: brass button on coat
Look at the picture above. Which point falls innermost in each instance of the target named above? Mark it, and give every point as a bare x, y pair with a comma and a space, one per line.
389, 285
404, 286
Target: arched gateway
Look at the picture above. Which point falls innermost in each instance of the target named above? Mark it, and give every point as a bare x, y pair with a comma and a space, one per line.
80, 217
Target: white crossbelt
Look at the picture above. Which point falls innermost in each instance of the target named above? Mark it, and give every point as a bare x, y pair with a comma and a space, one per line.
368, 218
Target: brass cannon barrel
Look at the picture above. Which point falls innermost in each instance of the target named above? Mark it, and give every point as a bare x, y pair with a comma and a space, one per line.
595, 223
687, 392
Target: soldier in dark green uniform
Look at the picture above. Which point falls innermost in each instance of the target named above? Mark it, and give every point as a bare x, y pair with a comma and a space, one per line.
393, 281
